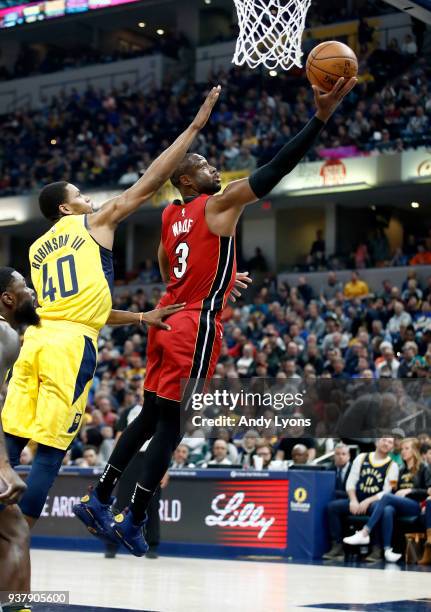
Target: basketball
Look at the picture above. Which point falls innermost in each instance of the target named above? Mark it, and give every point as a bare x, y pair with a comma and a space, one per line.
328, 62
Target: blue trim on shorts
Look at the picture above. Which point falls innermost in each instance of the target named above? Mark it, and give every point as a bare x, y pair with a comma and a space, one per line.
86, 369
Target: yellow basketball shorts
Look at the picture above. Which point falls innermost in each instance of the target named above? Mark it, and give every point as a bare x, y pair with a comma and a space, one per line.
48, 391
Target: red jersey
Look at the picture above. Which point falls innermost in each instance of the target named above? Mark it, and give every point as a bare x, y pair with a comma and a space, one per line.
202, 266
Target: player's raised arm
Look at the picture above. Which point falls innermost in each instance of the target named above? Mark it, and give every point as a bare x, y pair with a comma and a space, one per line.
159, 171
263, 180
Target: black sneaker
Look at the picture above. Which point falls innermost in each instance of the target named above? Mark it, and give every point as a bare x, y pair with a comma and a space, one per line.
336, 553
375, 555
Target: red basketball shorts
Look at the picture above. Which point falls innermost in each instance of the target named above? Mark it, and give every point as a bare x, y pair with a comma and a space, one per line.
190, 350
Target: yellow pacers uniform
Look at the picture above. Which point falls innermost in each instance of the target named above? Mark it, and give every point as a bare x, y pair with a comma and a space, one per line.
73, 277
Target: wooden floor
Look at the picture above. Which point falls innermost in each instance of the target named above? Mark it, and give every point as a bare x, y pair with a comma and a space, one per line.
202, 585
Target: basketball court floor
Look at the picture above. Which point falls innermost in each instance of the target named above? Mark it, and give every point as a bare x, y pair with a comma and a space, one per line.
178, 584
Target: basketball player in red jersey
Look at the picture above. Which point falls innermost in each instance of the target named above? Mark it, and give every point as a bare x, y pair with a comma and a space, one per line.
197, 260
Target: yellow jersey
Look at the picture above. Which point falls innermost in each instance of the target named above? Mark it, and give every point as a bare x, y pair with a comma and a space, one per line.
73, 276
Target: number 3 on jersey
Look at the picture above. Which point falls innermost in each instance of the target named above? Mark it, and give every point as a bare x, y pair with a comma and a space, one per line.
65, 265
182, 251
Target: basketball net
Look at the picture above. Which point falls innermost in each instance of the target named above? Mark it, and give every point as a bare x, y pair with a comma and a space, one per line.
270, 32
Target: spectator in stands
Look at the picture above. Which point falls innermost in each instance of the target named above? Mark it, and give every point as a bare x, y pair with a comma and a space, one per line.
388, 361
422, 257
299, 455
361, 256
245, 160
418, 123
331, 288
294, 436
406, 366
372, 475
356, 288
318, 245
180, 459
342, 466
91, 458
305, 290
219, 454
395, 454
365, 34
399, 318
258, 262
232, 453
107, 445
409, 47
129, 177
425, 450
265, 452
414, 480
247, 448
314, 323
245, 365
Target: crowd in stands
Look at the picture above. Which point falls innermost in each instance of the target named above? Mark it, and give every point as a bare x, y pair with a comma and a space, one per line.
372, 252
102, 138
364, 360
341, 335
32, 61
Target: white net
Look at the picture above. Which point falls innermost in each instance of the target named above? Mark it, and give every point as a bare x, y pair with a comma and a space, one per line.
270, 32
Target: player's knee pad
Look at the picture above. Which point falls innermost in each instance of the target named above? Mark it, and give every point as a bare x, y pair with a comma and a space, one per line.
45, 467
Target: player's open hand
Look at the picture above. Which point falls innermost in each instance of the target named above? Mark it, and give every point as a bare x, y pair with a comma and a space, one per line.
155, 317
326, 103
241, 282
206, 108
11, 486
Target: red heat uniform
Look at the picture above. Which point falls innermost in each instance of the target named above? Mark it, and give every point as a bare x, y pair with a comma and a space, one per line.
202, 269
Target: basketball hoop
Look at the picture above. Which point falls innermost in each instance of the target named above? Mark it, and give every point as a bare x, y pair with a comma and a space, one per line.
270, 32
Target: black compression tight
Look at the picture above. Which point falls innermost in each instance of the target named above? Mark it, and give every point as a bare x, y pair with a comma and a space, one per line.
133, 437
264, 179
165, 440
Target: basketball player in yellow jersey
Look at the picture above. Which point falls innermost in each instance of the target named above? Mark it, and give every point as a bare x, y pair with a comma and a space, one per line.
16, 308
72, 272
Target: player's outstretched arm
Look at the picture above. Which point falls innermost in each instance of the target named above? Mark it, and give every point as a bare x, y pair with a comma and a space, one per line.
150, 318
224, 210
158, 173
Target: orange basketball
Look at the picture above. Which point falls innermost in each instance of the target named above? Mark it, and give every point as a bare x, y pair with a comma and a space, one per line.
328, 62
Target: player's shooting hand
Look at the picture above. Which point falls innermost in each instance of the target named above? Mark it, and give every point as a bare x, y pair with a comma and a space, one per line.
206, 108
326, 103
241, 282
11, 485
155, 317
